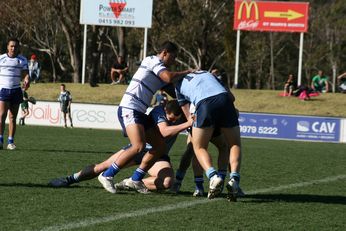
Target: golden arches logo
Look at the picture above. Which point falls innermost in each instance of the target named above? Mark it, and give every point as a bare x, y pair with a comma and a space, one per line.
248, 8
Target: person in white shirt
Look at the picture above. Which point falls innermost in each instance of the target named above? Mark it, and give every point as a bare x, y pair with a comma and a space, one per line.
12, 68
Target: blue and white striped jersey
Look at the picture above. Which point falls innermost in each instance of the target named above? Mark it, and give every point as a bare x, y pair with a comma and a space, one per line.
144, 84
11, 71
197, 86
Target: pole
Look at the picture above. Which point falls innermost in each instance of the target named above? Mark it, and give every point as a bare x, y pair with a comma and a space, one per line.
145, 42
236, 69
300, 58
84, 53
334, 77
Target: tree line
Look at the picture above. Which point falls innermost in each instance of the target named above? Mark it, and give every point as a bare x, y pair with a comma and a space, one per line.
203, 29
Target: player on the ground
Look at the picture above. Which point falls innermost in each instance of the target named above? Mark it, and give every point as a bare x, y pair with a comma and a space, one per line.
12, 68
170, 122
151, 76
214, 109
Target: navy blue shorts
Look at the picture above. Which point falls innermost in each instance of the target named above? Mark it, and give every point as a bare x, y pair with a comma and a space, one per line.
128, 116
14, 96
217, 111
138, 158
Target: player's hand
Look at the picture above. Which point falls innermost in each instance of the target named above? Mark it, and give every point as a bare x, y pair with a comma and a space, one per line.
191, 119
26, 84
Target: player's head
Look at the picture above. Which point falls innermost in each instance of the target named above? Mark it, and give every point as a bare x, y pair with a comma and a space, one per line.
62, 87
168, 52
173, 110
13, 47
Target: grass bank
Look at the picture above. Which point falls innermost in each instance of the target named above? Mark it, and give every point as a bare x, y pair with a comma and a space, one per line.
265, 101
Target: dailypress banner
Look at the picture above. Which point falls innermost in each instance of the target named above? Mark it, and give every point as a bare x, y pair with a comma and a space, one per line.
275, 126
83, 115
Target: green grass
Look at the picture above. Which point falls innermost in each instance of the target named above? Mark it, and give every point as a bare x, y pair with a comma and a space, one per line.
265, 101
26, 203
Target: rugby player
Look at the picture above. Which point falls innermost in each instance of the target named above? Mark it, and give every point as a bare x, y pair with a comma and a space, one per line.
12, 68
214, 109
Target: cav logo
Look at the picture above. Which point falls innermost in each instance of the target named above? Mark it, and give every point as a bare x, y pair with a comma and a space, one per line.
303, 126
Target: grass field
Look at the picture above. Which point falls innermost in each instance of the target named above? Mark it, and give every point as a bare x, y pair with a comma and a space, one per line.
289, 185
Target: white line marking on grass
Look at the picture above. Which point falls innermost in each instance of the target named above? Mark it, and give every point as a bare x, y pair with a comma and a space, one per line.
181, 205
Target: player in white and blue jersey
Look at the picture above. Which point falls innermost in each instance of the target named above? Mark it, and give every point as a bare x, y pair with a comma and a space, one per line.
214, 110
170, 121
12, 68
152, 75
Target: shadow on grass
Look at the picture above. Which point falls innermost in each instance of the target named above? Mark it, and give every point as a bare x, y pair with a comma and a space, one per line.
296, 198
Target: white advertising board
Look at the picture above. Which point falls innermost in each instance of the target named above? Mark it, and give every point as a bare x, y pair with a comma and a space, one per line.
123, 13
343, 131
83, 115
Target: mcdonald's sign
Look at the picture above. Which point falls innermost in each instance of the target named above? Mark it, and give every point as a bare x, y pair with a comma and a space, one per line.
271, 16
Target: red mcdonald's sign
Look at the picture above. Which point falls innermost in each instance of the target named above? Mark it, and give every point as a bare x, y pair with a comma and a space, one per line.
271, 16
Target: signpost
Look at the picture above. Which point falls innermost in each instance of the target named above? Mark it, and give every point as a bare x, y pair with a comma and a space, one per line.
270, 16
123, 13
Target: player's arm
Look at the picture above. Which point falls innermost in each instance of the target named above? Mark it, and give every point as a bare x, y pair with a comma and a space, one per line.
26, 80
342, 75
173, 76
171, 130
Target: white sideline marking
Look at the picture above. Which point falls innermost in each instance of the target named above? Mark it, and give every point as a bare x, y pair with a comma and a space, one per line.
181, 205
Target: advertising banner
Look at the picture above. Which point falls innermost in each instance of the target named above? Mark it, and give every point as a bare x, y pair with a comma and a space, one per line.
83, 115
271, 16
275, 126
123, 13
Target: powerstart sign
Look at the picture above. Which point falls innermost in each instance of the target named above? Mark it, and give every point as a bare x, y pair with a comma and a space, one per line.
123, 13
271, 16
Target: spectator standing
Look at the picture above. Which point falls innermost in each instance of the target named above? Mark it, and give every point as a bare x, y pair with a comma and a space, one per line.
119, 69
320, 82
65, 99
12, 67
34, 69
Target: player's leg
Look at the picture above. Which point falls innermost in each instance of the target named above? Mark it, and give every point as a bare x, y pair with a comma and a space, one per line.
198, 176
88, 172
70, 118
3, 114
65, 122
12, 117
233, 137
153, 137
200, 140
161, 176
183, 166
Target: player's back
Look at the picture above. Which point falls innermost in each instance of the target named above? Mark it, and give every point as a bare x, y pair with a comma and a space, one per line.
197, 86
144, 84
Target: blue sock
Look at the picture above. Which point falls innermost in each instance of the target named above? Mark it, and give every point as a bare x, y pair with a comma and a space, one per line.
179, 175
111, 171
222, 174
199, 182
10, 140
138, 175
211, 172
73, 178
235, 175
2, 139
